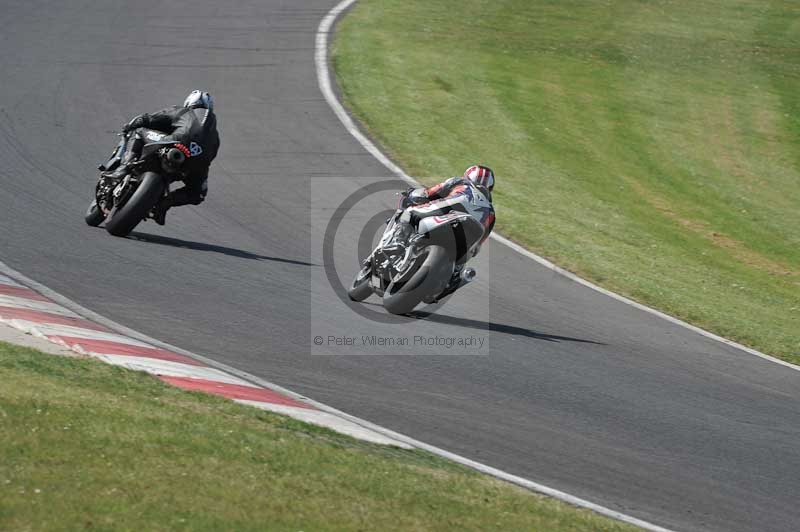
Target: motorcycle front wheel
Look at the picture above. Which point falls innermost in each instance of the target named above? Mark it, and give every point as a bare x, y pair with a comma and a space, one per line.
94, 216
360, 289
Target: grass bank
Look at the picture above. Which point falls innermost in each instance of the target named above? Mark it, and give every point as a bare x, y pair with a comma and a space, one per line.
84, 445
651, 146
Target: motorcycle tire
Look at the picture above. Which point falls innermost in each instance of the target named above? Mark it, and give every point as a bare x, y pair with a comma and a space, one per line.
429, 279
121, 221
360, 289
94, 216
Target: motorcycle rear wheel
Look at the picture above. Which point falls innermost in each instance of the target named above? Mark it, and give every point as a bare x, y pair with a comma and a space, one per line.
429, 279
121, 221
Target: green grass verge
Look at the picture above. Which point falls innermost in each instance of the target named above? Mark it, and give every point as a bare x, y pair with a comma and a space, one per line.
84, 445
651, 146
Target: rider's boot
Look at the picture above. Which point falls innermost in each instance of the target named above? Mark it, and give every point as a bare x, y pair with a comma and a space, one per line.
160, 210
467, 275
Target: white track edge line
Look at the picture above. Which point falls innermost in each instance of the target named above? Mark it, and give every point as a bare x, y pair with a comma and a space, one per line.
127, 331
324, 80
390, 434
8, 281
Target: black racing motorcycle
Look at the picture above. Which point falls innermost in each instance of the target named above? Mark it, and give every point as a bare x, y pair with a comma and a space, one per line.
124, 201
430, 264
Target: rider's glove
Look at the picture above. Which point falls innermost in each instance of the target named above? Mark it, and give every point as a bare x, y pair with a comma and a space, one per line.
136, 123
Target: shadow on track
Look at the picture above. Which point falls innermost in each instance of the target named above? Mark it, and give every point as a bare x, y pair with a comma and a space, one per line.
497, 327
490, 326
200, 246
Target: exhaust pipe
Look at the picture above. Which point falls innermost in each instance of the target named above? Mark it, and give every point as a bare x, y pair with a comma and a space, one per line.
468, 275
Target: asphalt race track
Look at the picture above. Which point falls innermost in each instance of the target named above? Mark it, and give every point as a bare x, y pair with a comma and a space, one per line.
570, 388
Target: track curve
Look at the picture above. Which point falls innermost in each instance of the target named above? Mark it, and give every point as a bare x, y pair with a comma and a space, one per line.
572, 389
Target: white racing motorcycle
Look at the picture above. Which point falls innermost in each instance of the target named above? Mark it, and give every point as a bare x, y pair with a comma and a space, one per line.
430, 264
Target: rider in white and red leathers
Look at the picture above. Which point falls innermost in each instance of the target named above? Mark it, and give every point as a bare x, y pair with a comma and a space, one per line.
417, 203
477, 176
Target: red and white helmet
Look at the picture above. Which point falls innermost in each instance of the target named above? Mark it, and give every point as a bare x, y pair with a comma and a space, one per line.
480, 175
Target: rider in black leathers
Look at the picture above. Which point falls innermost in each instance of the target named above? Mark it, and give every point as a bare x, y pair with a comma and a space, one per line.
196, 130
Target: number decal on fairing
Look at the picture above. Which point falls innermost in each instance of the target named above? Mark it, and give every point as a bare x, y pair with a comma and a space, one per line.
195, 149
